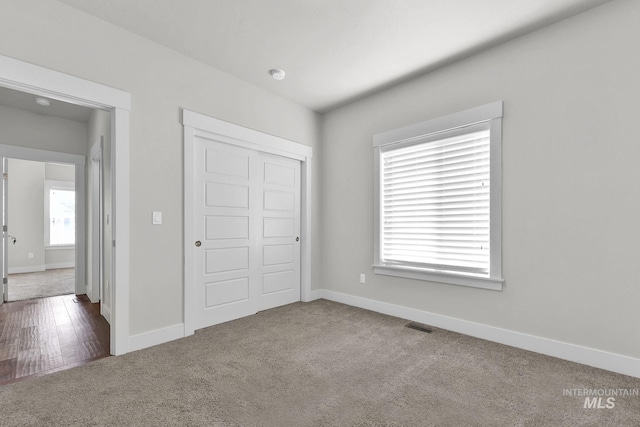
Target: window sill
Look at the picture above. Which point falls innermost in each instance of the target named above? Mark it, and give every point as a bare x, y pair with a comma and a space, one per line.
432, 276
59, 247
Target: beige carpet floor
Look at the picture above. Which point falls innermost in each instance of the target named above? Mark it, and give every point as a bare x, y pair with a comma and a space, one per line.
320, 364
47, 283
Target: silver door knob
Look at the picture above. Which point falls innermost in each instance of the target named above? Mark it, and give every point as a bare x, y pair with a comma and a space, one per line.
297, 239
198, 243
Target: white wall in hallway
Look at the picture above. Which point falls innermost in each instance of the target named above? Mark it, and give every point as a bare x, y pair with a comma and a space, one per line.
26, 187
26, 129
26, 215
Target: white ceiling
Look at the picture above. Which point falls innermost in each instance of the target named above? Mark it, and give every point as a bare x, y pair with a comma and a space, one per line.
333, 51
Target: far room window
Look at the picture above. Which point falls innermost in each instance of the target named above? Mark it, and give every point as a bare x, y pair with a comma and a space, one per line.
438, 192
60, 203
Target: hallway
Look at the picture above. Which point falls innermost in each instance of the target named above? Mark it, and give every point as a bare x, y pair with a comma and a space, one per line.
45, 335
41, 284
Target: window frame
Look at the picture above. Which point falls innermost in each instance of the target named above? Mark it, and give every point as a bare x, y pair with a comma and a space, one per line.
62, 186
490, 114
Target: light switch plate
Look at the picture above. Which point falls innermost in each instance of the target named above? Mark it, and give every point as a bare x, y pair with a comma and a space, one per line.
157, 218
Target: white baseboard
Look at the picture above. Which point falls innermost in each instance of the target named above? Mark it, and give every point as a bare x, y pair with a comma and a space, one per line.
587, 356
316, 294
27, 269
54, 265
106, 313
158, 336
41, 268
88, 290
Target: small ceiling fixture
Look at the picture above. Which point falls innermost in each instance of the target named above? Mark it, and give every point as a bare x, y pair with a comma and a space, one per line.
43, 101
277, 74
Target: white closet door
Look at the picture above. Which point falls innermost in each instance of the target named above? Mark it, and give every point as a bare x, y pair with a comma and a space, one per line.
279, 241
222, 199
247, 219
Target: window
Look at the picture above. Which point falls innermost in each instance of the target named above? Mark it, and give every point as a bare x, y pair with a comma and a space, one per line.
60, 213
438, 199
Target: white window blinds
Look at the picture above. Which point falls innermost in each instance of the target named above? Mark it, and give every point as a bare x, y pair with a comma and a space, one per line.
435, 203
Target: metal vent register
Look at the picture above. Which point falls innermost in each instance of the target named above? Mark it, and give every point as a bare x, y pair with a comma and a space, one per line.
419, 327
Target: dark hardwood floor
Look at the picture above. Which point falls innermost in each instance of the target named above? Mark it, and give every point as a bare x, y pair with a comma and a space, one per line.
44, 335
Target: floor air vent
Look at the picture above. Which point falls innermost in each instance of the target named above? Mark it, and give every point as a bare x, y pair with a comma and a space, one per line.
419, 327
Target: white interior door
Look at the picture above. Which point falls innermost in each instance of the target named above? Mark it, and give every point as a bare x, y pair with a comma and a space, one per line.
5, 239
279, 231
222, 220
246, 220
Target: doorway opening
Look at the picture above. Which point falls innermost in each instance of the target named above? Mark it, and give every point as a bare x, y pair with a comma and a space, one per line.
115, 105
46, 333
41, 245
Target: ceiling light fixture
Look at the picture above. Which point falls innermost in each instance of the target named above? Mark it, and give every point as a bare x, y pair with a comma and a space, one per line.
277, 74
43, 101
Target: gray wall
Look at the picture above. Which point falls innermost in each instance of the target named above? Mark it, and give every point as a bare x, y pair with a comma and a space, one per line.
59, 172
571, 182
161, 82
26, 129
26, 215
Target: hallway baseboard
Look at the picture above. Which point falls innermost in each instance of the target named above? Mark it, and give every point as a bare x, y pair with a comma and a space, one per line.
27, 269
